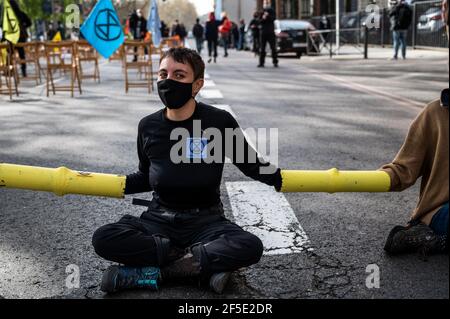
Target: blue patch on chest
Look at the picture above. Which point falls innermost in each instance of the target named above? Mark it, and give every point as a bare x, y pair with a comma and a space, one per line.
197, 148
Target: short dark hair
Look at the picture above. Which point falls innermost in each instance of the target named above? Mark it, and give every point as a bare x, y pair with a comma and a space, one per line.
187, 56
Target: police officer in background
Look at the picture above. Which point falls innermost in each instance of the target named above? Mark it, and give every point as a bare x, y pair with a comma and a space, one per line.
254, 28
267, 30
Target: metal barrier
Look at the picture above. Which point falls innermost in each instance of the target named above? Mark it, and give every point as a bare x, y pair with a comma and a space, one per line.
351, 41
427, 28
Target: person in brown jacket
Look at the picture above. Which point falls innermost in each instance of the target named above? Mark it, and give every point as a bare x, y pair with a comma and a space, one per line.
425, 153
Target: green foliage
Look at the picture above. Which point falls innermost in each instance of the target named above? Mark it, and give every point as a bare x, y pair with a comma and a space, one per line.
34, 9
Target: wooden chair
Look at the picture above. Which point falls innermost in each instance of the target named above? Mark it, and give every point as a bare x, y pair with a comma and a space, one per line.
7, 71
41, 52
157, 54
32, 56
137, 55
62, 56
157, 51
86, 53
117, 56
172, 42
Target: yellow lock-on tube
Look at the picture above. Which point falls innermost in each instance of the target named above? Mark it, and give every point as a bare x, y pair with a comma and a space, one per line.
61, 181
335, 181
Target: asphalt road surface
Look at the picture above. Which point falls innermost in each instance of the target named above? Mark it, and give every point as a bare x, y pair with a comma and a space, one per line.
346, 113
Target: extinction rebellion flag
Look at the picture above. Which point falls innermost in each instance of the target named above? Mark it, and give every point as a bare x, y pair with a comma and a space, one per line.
102, 29
11, 26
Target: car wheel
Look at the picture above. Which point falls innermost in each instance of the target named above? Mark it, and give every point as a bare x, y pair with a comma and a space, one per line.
299, 55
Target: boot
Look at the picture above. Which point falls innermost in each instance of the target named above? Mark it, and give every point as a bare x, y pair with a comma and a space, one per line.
117, 278
438, 246
166, 252
417, 238
219, 281
187, 266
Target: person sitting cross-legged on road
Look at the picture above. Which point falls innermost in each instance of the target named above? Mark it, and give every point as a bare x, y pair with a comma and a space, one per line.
424, 154
184, 232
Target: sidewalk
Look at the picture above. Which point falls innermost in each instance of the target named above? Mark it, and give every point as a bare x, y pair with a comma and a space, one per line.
348, 52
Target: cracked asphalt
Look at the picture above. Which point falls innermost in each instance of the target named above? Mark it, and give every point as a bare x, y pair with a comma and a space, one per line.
322, 122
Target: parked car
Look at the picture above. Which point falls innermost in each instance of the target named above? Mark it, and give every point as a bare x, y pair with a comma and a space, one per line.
431, 20
351, 20
292, 36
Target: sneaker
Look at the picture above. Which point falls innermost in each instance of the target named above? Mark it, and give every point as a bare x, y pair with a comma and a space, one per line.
219, 281
117, 278
209, 60
393, 58
260, 65
417, 238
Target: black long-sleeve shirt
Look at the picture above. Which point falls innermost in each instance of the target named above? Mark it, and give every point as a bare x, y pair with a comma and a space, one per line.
267, 23
191, 184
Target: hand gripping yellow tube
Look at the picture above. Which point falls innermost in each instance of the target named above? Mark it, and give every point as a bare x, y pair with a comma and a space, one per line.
335, 181
61, 181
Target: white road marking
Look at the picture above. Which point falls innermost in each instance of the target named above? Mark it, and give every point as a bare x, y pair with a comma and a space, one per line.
229, 110
225, 108
207, 76
260, 210
394, 98
211, 94
209, 84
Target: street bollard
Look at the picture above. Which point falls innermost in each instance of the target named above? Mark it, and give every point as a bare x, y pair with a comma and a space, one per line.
331, 47
366, 41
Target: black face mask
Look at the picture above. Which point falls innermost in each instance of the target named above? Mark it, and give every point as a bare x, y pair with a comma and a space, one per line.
174, 94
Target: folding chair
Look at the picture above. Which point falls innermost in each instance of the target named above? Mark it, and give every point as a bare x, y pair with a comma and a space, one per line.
157, 51
137, 55
117, 56
41, 56
32, 55
86, 53
7, 71
157, 54
172, 42
56, 54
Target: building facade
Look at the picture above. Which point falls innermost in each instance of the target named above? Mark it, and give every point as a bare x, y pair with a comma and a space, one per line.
303, 9
239, 9
287, 9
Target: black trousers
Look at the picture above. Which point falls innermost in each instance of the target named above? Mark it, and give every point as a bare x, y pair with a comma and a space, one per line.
223, 245
212, 47
22, 56
271, 39
256, 43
